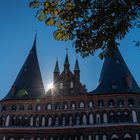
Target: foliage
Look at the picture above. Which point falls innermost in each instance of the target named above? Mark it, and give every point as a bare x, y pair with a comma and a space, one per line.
91, 24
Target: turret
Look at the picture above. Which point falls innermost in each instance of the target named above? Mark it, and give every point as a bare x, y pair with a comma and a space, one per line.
56, 72
116, 77
66, 63
77, 71
28, 84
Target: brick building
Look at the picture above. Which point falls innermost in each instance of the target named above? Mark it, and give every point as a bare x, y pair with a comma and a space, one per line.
68, 111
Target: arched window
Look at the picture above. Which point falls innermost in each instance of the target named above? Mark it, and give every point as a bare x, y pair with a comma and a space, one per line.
82, 105
37, 121
119, 116
73, 106
134, 116
51, 138
2, 121
81, 138
49, 107
11, 138
56, 121
61, 85
126, 117
3, 109
100, 103
77, 120
91, 119
50, 121
38, 107
71, 84
38, 138
111, 117
30, 107
57, 107
84, 119
91, 104
13, 108
137, 137
31, 138
131, 102
70, 120
97, 137
4, 138
14, 121
105, 120
104, 137
111, 103
63, 121
98, 118
22, 139
43, 121
31, 121
7, 120
21, 107
89, 137
65, 106
120, 102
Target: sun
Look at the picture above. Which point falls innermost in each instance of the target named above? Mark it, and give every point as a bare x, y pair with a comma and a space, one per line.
50, 86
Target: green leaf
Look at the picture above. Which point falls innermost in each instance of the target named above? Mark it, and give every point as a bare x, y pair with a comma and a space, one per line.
50, 21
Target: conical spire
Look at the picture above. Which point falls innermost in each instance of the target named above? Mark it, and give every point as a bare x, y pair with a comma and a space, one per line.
76, 68
66, 63
116, 77
28, 84
56, 69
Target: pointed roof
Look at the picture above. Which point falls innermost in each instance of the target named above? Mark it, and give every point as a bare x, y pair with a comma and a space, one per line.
56, 69
76, 68
66, 60
28, 84
115, 76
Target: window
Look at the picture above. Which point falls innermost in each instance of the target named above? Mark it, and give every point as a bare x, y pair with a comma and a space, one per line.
91, 119
49, 107
50, 121
77, 120
84, 119
82, 105
70, 120
3, 108
21, 107
56, 121
7, 120
73, 106
65, 105
130, 102
57, 107
111, 103
13, 107
134, 116
71, 84
37, 121
63, 121
31, 121
100, 103
121, 102
61, 85
38, 107
91, 104
105, 118
30, 107
43, 121
98, 118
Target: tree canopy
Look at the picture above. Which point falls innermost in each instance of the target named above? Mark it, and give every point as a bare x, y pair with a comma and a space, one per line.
90, 24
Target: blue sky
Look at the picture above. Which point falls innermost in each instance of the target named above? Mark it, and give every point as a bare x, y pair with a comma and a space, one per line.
17, 30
